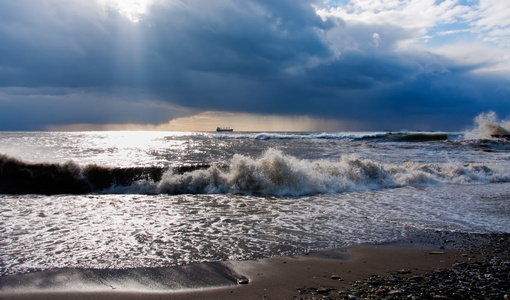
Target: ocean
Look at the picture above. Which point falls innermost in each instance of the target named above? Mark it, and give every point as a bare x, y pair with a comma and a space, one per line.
119, 200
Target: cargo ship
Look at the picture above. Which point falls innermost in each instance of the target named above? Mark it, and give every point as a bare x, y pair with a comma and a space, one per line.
224, 129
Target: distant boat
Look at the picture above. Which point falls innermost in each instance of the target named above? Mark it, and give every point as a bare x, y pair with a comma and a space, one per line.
224, 129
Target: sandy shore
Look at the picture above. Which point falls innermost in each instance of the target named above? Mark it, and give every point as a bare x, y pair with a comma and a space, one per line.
334, 273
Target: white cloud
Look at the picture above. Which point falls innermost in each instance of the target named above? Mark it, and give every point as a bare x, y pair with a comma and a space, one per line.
376, 38
417, 16
489, 19
473, 30
486, 58
492, 22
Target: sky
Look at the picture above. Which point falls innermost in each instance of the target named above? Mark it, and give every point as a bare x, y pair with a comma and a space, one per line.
255, 65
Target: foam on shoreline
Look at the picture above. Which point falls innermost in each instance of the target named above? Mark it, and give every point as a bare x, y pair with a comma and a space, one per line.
278, 277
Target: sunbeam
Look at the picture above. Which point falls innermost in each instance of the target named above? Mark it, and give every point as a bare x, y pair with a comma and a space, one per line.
132, 9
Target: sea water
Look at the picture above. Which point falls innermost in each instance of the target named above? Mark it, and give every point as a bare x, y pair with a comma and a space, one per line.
155, 199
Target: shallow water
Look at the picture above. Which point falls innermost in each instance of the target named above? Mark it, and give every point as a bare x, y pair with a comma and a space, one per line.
257, 195
121, 231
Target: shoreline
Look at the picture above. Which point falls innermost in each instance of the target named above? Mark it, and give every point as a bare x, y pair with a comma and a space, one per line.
336, 273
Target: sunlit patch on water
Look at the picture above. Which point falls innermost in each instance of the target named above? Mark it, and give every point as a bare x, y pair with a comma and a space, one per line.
123, 231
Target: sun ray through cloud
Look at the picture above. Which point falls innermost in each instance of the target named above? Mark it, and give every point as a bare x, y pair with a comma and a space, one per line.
365, 63
131, 9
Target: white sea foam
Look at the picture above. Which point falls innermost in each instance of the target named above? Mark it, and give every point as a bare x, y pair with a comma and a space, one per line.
275, 173
345, 188
487, 126
132, 231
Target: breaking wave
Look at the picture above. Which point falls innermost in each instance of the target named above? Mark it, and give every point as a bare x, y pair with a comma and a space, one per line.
273, 173
488, 126
18, 177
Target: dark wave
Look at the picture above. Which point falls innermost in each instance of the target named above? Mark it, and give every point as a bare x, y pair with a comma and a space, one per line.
494, 133
416, 137
370, 136
18, 177
273, 173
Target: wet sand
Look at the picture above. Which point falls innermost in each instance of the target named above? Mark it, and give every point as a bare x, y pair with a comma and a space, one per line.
335, 273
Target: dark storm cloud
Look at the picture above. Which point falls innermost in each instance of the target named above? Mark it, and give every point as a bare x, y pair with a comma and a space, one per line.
260, 56
34, 109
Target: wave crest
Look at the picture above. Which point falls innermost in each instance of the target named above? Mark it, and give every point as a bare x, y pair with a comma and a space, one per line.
273, 173
487, 126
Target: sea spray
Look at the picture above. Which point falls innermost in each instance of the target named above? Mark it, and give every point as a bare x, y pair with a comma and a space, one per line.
259, 197
272, 173
487, 126
276, 173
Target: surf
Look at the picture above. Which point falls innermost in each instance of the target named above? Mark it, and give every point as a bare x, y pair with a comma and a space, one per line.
19, 177
271, 173
275, 173
488, 126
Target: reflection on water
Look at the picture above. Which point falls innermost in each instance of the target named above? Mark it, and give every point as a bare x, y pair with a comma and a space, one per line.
120, 231
353, 188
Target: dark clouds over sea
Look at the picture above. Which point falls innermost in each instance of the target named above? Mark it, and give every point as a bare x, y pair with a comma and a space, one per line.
84, 62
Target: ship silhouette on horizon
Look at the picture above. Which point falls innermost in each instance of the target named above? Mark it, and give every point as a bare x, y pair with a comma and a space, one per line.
224, 129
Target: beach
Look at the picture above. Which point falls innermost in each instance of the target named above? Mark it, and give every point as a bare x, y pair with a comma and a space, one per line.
172, 149
411, 269
205, 215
